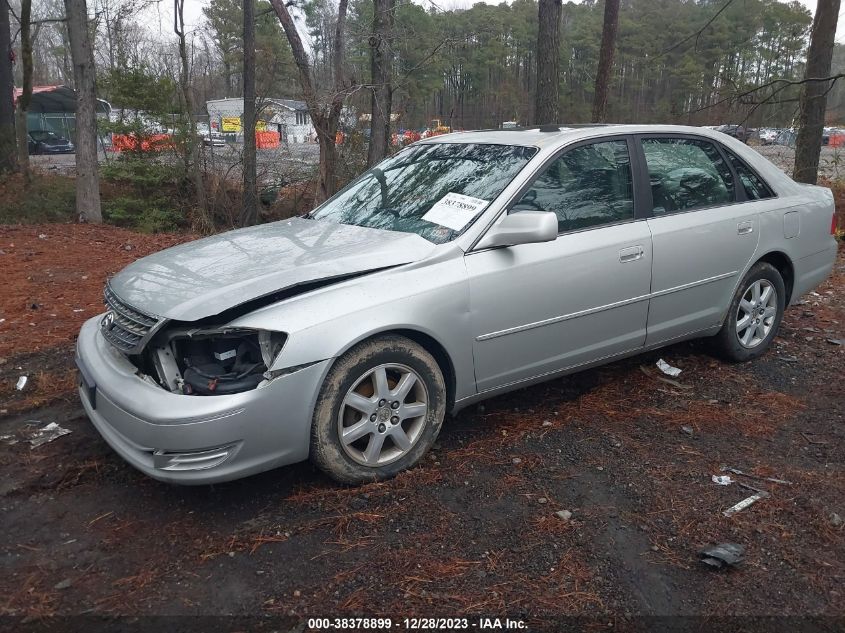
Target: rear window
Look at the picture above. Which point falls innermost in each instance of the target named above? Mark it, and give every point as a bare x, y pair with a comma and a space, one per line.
686, 174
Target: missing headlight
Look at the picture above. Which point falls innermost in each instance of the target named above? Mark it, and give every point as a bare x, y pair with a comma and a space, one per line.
215, 362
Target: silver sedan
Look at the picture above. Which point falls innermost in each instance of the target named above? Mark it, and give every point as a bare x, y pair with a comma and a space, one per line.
464, 266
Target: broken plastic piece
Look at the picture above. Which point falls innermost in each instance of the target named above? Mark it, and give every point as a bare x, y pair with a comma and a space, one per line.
21, 383
47, 434
723, 555
745, 503
737, 471
722, 480
667, 369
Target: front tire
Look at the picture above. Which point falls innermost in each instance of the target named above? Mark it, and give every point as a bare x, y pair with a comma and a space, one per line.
754, 315
379, 410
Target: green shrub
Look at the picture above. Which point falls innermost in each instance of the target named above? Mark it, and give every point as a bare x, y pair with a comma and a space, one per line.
152, 215
140, 172
46, 199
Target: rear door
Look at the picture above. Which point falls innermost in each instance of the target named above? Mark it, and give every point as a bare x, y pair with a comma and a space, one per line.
540, 308
703, 234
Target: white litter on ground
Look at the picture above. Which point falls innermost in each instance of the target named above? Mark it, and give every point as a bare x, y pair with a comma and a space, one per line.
47, 434
21, 383
667, 369
745, 503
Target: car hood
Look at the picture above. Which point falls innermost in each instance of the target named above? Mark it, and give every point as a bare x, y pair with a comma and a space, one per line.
208, 276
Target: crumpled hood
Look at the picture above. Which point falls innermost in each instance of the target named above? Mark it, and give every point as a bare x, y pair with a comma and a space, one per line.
203, 278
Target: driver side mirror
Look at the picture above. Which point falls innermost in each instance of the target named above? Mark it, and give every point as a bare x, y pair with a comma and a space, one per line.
525, 227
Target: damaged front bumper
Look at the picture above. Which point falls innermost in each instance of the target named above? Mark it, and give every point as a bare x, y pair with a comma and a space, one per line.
194, 439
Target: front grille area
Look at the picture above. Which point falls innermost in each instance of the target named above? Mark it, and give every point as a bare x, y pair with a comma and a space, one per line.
124, 327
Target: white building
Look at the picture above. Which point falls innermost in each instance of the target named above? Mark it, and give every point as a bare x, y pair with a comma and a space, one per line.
286, 116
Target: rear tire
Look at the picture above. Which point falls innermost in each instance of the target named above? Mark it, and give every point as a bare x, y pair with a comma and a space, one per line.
379, 411
754, 315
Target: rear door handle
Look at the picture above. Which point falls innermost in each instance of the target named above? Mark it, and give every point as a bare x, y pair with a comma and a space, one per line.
631, 254
744, 228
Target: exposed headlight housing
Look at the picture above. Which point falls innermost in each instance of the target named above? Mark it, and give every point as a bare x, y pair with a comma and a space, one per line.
215, 361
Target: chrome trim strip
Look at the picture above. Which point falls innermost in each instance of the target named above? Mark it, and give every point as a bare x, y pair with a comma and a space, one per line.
558, 319
692, 284
609, 306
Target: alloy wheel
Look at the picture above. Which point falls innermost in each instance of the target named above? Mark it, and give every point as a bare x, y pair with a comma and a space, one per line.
756, 313
383, 414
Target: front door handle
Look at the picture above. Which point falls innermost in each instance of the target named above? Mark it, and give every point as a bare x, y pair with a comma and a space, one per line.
631, 254
744, 228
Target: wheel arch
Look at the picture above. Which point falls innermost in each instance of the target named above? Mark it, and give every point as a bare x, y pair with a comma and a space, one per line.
430, 344
783, 264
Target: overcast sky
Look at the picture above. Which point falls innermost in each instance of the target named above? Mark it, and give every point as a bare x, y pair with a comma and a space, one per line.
193, 12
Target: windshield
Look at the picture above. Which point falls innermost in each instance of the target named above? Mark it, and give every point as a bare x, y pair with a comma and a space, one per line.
433, 190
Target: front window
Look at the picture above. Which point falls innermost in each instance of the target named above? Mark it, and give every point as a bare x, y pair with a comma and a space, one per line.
433, 190
587, 186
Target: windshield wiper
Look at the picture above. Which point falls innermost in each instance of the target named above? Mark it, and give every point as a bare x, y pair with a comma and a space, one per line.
382, 181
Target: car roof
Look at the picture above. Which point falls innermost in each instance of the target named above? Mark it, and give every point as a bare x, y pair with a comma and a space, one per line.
549, 138
554, 135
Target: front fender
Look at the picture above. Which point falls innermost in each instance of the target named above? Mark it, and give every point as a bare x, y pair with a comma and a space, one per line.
430, 298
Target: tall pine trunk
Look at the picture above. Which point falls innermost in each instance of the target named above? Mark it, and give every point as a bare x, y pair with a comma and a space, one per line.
813, 100
547, 99
26, 89
381, 64
8, 149
608, 45
82, 55
249, 211
192, 151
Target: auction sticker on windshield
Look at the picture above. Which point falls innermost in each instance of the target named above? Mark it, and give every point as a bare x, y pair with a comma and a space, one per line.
454, 210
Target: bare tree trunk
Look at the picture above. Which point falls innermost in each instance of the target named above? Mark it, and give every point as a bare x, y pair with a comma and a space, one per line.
381, 64
813, 100
548, 62
324, 116
608, 45
8, 149
26, 89
249, 212
193, 148
227, 76
82, 54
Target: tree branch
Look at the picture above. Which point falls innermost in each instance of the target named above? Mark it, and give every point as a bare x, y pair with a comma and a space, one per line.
697, 34
781, 83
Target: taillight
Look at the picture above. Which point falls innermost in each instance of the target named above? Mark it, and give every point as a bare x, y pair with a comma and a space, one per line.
833, 224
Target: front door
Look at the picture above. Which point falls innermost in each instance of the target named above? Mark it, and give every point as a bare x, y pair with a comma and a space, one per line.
540, 308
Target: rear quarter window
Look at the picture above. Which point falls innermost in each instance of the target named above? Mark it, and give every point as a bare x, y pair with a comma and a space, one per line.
754, 186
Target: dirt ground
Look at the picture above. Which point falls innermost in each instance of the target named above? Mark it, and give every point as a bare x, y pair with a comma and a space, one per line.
472, 531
